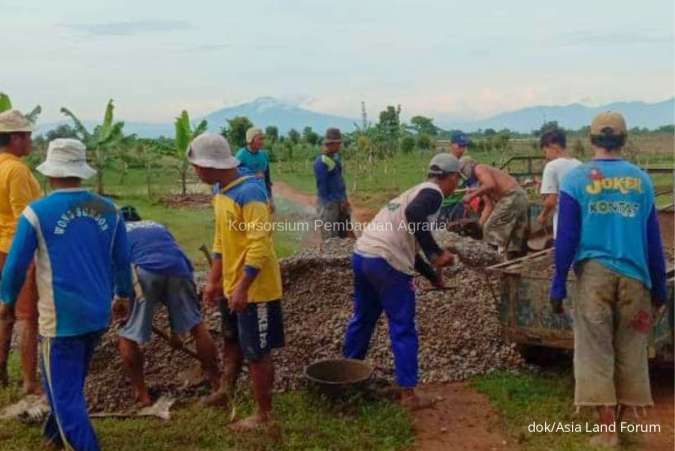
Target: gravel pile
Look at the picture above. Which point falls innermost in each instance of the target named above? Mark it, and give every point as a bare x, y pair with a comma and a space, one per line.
459, 332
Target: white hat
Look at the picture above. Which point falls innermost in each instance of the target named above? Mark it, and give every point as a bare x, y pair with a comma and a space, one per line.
251, 133
210, 150
13, 121
66, 157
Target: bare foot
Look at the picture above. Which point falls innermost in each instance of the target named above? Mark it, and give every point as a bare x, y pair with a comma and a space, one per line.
252, 423
144, 400
605, 440
416, 402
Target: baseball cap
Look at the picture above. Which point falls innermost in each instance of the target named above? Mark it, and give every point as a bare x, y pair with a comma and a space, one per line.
460, 138
210, 150
608, 123
443, 163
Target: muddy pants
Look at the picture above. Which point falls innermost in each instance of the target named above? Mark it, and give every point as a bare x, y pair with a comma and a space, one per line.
336, 221
612, 320
505, 228
377, 287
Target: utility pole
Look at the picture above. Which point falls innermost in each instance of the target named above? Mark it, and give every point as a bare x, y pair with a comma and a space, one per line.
364, 116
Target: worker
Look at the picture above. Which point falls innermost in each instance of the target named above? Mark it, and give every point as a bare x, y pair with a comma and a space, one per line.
452, 208
246, 271
385, 258
164, 277
79, 244
504, 215
254, 160
554, 145
333, 205
18, 188
608, 228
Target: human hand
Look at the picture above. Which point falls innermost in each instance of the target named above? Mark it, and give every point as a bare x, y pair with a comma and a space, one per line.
445, 259
120, 309
438, 282
541, 219
239, 299
212, 291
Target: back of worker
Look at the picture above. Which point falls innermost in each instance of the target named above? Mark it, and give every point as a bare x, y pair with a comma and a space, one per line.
154, 249
388, 234
75, 233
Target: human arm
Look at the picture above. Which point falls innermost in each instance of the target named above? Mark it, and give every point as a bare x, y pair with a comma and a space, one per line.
18, 260
19, 187
214, 281
549, 204
488, 208
656, 259
486, 182
427, 202
566, 245
321, 175
427, 271
121, 266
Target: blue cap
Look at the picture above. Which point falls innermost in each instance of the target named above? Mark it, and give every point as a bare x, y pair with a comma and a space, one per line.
460, 138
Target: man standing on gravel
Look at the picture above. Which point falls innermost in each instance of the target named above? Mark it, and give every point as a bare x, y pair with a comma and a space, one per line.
79, 244
608, 228
246, 271
18, 188
554, 145
333, 206
385, 258
164, 277
504, 216
254, 160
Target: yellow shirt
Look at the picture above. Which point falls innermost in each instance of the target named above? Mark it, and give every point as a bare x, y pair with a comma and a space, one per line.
18, 188
243, 238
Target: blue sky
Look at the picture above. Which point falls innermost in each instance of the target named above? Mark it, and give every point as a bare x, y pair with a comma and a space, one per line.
434, 57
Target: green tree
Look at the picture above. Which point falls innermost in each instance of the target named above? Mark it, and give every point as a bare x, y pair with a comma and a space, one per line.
272, 134
184, 135
235, 131
104, 137
546, 126
310, 136
407, 144
294, 136
62, 131
424, 125
424, 141
6, 104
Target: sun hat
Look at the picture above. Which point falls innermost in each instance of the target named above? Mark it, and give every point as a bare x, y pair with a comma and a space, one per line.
210, 150
333, 135
12, 121
251, 133
66, 157
443, 163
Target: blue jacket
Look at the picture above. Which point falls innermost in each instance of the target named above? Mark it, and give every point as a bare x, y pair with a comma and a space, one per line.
79, 242
607, 213
330, 184
154, 249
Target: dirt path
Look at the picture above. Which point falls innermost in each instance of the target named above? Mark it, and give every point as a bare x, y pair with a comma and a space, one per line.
462, 420
282, 189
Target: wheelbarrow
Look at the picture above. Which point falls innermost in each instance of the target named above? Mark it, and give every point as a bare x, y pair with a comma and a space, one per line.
338, 377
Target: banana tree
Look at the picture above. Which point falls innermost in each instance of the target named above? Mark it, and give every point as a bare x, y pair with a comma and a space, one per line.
6, 104
184, 135
104, 137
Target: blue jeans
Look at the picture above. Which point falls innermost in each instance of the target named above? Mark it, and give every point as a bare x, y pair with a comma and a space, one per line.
64, 363
377, 287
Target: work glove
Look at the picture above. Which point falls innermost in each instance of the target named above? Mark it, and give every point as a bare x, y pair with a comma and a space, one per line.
556, 305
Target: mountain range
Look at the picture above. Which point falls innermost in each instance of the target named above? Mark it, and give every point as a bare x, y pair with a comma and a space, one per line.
266, 111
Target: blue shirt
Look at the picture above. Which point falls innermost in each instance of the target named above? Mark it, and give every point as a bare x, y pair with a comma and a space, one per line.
154, 249
330, 184
257, 164
607, 214
81, 252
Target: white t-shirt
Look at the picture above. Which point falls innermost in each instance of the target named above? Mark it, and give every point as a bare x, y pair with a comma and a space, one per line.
554, 172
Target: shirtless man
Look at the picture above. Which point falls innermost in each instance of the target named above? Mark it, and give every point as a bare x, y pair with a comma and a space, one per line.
504, 217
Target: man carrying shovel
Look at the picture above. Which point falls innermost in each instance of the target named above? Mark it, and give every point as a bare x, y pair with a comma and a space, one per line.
79, 244
385, 258
163, 277
245, 269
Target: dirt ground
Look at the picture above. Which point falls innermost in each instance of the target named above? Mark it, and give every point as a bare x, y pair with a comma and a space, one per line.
663, 412
462, 419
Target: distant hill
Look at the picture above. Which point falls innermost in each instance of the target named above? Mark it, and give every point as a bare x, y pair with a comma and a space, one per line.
266, 111
574, 116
